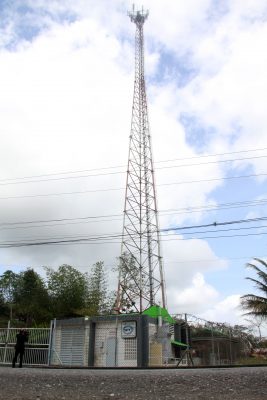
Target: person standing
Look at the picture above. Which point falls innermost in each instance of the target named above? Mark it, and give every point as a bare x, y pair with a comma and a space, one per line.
22, 338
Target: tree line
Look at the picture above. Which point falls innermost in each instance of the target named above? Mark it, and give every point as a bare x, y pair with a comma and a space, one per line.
66, 292
63, 293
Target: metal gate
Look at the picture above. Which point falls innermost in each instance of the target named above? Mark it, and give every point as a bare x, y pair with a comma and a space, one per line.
37, 349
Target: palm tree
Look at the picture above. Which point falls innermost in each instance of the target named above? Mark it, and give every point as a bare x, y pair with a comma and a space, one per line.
255, 304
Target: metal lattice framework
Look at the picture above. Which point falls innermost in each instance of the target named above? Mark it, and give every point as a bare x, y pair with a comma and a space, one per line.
141, 282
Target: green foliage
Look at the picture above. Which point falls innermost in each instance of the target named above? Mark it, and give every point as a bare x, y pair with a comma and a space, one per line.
3, 306
131, 281
28, 299
31, 301
8, 283
209, 330
263, 343
98, 300
200, 331
213, 330
255, 304
67, 288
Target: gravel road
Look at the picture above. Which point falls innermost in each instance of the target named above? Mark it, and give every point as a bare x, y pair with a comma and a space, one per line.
249, 383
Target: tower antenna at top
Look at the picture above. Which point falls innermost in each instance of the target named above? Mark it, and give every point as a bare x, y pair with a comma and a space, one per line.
139, 16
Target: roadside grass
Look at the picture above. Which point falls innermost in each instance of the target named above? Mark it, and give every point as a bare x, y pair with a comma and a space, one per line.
252, 361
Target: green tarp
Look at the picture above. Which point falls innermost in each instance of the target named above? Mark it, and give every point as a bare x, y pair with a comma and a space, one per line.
178, 343
157, 311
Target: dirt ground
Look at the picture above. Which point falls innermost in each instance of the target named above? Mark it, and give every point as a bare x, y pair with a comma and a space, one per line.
249, 383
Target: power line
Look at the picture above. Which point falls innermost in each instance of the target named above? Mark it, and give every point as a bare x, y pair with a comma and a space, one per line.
115, 235
62, 173
221, 230
122, 188
15, 181
92, 219
60, 224
2, 181
81, 236
214, 260
215, 224
211, 162
98, 219
212, 179
213, 209
59, 219
218, 237
64, 178
166, 261
111, 237
60, 194
87, 242
212, 155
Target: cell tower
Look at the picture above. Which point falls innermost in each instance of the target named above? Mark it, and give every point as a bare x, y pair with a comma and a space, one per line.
141, 282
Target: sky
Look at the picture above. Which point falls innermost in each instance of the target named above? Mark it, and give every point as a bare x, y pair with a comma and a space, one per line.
66, 78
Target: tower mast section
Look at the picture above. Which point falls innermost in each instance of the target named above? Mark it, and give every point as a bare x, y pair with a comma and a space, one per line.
141, 281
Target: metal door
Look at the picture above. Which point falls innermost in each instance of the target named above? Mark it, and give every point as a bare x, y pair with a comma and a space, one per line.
72, 346
111, 352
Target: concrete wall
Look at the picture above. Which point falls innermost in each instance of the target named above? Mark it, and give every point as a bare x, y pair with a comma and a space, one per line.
111, 349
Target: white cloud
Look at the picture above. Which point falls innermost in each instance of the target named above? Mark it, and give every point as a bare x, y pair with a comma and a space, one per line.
232, 96
186, 262
57, 103
227, 310
194, 298
184, 258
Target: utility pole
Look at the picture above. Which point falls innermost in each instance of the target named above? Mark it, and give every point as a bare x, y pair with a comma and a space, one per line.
141, 281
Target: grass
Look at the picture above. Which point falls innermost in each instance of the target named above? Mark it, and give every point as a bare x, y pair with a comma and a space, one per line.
252, 361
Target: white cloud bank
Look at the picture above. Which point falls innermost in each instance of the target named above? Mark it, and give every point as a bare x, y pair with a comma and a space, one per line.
226, 310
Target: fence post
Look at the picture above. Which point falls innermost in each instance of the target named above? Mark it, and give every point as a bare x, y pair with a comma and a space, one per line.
50, 345
230, 346
7, 338
213, 359
189, 358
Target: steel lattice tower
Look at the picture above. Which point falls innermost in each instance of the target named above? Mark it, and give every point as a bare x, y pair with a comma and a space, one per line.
141, 282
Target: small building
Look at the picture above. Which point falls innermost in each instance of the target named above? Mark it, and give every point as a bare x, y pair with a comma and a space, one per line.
125, 340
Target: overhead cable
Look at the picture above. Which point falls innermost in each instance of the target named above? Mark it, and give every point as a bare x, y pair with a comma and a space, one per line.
123, 188
17, 182
97, 239
7, 181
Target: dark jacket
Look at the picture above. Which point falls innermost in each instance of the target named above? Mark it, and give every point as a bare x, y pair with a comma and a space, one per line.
22, 337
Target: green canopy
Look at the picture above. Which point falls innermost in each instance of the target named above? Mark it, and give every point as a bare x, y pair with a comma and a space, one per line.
157, 311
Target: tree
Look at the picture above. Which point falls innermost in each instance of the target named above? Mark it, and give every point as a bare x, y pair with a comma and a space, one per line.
132, 281
67, 288
31, 301
3, 306
98, 301
255, 304
8, 283
256, 324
